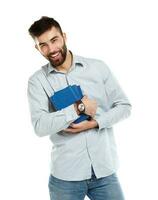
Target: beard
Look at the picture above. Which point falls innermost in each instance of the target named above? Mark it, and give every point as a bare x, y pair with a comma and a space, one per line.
58, 57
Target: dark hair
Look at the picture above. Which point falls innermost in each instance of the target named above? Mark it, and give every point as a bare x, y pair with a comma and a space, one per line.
42, 25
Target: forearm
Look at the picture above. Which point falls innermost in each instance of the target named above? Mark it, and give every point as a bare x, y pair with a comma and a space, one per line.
50, 123
112, 116
47, 121
117, 106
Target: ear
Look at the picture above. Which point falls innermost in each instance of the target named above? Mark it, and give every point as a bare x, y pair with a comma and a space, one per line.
64, 36
36, 47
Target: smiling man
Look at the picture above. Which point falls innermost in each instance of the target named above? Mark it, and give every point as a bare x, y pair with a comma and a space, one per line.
84, 157
52, 46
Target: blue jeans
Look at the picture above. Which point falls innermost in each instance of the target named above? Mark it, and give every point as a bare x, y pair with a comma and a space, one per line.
107, 188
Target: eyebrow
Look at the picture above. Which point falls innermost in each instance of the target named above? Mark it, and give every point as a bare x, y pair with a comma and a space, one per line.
49, 40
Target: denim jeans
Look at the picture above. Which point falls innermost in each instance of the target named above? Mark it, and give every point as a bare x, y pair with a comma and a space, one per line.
106, 188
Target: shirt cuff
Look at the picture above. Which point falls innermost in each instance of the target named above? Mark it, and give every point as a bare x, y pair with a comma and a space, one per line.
99, 118
70, 114
99, 121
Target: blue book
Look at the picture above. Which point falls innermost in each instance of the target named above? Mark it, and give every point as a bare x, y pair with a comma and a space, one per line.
82, 118
66, 97
77, 91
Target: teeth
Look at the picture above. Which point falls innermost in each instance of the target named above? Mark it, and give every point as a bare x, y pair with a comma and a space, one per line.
53, 56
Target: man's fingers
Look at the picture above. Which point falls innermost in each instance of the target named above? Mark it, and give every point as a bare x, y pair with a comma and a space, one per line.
75, 125
78, 125
85, 97
71, 130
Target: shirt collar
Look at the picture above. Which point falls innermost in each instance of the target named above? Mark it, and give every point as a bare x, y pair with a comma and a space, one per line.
77, 61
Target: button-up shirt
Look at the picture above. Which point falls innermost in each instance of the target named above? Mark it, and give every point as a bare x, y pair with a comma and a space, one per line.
73, 155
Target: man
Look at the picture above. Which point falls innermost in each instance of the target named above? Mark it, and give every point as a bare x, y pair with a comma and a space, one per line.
84, 158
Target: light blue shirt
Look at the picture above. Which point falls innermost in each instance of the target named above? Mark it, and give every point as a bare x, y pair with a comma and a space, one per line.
73, 154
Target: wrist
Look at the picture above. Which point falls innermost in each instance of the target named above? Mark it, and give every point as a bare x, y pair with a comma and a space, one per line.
94, 123
80, 107
75, 106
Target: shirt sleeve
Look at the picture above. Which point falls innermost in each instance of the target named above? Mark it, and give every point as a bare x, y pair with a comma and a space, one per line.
119, 106
44, 121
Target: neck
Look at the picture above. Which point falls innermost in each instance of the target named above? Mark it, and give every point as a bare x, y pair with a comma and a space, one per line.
67, 63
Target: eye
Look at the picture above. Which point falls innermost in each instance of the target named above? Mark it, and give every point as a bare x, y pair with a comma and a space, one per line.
42, 45
54, 40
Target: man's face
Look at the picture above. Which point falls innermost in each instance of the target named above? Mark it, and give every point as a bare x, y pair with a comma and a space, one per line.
52, 46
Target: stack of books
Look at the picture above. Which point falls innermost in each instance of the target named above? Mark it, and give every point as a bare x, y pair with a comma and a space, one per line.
66, 97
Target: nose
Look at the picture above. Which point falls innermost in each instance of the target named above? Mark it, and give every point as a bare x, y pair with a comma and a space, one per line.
51, 47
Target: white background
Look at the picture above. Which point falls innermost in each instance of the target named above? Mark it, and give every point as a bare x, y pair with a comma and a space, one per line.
124, 34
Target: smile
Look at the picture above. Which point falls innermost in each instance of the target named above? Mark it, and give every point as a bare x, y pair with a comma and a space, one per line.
55, 55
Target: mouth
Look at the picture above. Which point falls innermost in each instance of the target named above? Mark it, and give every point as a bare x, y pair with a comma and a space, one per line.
54, 56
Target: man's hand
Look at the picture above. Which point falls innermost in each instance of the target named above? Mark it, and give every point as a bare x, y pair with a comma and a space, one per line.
90, 106
82, 126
